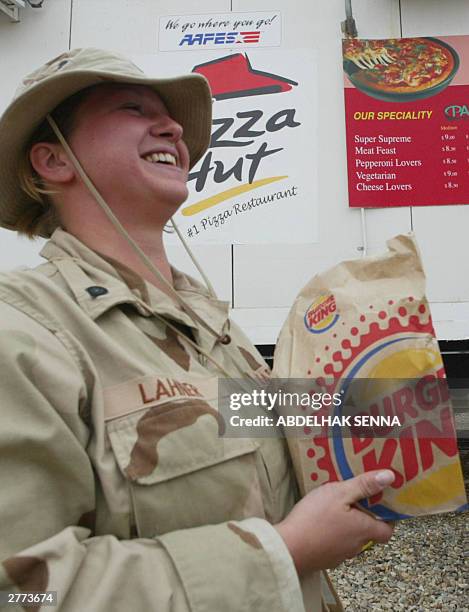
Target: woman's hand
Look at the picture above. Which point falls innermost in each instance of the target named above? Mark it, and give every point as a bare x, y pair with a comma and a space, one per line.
324, 527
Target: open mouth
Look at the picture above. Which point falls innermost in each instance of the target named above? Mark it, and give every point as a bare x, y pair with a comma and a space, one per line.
161, 158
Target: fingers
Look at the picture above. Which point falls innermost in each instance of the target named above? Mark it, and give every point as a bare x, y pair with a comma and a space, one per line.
374, 529
366, 485
381, 532
371, 528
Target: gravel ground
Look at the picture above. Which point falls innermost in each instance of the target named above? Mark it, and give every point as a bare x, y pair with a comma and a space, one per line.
425, 566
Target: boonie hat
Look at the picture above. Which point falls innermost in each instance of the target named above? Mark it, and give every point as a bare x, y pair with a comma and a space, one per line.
187, 98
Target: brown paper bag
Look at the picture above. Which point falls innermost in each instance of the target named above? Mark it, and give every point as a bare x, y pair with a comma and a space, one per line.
367, 321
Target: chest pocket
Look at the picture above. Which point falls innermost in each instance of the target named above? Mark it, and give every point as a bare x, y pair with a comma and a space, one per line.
180, 473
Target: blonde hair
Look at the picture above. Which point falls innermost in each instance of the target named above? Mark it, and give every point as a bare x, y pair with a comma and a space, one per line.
40, 217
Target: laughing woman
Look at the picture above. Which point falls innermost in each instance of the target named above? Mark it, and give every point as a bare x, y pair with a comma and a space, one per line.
118, 493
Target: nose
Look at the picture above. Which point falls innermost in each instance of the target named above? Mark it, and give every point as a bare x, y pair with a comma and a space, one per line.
166, 127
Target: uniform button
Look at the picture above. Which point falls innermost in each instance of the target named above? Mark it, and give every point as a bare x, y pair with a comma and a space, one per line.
226, 339
96, 291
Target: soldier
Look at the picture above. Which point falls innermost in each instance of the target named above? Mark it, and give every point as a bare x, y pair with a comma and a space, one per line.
117, 491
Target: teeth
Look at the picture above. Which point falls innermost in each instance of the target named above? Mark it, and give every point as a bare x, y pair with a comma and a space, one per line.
161, 157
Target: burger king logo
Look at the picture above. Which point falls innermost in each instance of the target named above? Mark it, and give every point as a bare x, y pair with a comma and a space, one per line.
321, 315
398, 373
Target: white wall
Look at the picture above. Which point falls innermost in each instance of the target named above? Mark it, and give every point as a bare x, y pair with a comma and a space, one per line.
261, 281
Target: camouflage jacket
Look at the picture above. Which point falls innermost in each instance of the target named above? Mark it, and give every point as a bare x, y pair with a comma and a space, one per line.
117, 491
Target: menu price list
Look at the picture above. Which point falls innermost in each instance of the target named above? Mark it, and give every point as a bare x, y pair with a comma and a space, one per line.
408, 154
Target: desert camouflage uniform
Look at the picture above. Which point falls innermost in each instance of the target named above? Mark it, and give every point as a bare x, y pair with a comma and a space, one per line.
117, 491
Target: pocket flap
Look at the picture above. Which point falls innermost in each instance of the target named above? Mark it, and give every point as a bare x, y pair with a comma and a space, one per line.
172, 439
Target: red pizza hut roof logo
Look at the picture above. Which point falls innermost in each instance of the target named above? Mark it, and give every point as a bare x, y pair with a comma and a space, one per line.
233, 76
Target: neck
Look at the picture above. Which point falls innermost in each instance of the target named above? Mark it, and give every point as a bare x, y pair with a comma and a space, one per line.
90, 225
106, 240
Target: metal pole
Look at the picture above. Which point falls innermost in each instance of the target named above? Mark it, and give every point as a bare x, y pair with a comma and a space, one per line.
348, 9
349, 27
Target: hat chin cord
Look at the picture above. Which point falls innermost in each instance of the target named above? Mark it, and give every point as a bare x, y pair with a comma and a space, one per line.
146, 260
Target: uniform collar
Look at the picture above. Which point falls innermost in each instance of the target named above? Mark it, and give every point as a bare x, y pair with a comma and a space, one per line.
83, 269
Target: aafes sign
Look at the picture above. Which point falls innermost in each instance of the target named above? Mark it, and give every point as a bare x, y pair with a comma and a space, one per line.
215, 31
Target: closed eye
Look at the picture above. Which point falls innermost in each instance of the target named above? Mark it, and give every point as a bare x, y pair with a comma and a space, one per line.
133, 106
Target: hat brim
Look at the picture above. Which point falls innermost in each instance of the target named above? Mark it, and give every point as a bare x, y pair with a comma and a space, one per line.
187, 98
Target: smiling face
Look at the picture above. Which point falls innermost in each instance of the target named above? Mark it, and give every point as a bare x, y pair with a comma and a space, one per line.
133, 151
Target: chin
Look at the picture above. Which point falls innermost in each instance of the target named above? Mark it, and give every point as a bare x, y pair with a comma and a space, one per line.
178, 198
171, 205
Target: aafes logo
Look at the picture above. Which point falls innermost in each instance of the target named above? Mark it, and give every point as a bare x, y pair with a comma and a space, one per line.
220, 38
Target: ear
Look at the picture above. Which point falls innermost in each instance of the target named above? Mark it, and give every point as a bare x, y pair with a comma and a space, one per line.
51, 163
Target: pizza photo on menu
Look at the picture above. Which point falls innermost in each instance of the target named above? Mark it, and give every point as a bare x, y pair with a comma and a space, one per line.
400, 69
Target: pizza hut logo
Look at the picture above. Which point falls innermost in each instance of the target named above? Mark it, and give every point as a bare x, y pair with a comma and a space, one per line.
456, 111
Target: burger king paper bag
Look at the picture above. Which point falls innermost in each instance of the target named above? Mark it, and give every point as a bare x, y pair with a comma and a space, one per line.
363, 329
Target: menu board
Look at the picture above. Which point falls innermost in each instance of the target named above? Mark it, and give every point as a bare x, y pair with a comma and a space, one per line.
407, 121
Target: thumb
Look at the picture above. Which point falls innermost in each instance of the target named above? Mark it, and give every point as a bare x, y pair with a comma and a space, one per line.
367, 484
